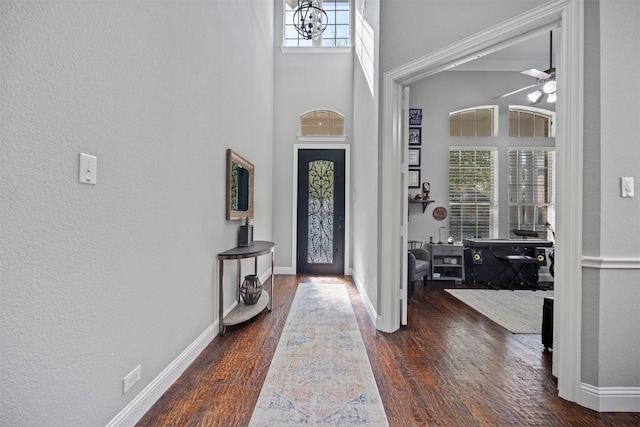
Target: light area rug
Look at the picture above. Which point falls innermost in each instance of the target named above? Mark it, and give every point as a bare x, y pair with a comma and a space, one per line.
519, 311
320, 373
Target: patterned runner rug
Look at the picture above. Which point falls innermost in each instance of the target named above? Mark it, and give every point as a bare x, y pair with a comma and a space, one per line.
320, 373
520, 311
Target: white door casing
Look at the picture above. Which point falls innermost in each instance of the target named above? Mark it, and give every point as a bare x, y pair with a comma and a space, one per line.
404, 209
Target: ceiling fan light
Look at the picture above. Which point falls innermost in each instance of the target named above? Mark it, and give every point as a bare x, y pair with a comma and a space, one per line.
535, 96
551, 98
549, 87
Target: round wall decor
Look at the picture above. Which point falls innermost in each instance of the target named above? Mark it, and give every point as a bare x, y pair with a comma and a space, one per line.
440, 213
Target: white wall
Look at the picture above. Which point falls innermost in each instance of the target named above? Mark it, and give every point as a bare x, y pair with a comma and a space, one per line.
303, 82
448, 91
96, 280
411, 29
365, 173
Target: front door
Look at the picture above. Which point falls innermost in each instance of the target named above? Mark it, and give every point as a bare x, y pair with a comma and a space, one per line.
321, 210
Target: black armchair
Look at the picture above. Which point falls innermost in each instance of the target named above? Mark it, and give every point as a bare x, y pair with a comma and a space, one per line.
419, 267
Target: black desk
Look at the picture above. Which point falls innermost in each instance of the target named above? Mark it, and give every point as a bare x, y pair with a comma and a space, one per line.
503, 263
507, 243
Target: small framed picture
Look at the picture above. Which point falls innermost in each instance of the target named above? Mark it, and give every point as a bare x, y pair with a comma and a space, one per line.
415, 136
414, 178
414, 157
415, 116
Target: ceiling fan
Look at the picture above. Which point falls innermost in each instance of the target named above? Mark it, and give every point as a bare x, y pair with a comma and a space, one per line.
546, 81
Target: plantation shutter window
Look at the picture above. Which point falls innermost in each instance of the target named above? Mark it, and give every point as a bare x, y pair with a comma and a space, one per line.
532, 190
473, 192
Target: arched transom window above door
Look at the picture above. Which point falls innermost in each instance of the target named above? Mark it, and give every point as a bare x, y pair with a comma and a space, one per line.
322, 123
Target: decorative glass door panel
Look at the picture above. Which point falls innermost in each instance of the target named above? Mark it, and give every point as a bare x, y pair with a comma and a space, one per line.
320, 228
321, 204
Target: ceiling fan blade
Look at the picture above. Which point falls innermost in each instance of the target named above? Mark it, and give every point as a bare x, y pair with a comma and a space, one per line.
536, 73
516, 91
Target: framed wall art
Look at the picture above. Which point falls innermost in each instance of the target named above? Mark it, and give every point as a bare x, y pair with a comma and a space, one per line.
414, 157
413, 178
415, 136
415, 116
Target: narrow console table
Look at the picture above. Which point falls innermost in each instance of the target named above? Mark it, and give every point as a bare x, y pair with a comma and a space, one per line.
243, 312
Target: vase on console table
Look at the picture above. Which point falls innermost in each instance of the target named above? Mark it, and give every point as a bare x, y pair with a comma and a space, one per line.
251, 289
245, 234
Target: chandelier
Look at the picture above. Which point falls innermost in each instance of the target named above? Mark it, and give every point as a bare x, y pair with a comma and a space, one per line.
310, 20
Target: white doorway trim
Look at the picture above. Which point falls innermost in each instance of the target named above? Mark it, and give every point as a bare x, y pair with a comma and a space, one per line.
569, 16
347, 200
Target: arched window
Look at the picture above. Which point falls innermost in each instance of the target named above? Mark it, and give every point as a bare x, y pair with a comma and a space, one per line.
531, 122
322, 123
475, 121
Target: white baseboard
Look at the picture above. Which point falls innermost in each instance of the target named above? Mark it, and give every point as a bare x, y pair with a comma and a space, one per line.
284, 270
373, 314
139, 406
610, 399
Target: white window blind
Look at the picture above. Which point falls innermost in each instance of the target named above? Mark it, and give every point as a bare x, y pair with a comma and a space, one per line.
473, 192
532, 190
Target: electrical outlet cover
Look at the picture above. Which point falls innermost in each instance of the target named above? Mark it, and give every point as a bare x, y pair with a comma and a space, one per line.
132, 378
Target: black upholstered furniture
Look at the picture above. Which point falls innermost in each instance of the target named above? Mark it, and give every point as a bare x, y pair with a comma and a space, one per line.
419, 267
547, 323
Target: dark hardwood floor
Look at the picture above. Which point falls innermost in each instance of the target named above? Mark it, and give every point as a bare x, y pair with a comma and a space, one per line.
450, 366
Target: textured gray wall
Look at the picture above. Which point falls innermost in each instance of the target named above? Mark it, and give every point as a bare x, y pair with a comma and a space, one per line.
96, 280
611, 342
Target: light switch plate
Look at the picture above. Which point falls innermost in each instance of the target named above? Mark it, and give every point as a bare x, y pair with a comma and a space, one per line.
626, 186
88, 169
